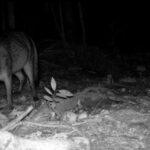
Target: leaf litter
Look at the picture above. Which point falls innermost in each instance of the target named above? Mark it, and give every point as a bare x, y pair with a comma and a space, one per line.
99, 115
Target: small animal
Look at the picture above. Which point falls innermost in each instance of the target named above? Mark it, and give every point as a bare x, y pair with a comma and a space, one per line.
18, 56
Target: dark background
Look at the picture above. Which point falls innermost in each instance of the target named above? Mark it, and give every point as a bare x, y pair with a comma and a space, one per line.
118, 32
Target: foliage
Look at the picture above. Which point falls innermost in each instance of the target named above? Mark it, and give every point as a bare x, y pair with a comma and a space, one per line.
53, 95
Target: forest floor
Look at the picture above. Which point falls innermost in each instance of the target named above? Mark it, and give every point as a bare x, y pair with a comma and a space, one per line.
78, 110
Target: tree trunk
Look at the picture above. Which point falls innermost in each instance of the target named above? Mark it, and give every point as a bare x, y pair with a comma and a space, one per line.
11, 15
82, 25
3, 16
62, 25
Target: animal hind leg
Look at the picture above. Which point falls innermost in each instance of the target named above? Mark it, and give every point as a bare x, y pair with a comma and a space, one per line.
28, 69
8, 85
21, 78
